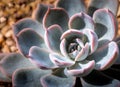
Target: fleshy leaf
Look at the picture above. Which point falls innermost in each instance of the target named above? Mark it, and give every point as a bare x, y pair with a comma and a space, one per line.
80, 21
28, 23
63, 46
83, 53
52, 37
2, 55
72, 33
40, 57
92, 39
4, 78
54, 81
118, 59
99, 4
105, 24
40, 11
72, 6
105, 56
81, 69
28, 77
56, 16
12, 62
102, 81
61, 61
27, 38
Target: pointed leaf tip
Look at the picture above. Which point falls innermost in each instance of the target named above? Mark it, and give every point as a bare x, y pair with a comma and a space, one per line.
105, 24
27, 23
94, 5
56, 16
80, 21
72, 6
40, 11
55, 81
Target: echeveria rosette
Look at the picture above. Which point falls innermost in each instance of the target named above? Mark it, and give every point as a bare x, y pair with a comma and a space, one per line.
72, 42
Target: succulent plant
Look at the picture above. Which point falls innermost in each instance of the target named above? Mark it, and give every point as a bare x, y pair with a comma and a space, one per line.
67, 41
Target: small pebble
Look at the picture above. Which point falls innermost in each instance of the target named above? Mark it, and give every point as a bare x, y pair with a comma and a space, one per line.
13, 48
9, 34
9, 42
2, 19
5, 49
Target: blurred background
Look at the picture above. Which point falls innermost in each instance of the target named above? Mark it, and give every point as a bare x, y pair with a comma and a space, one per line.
14, 10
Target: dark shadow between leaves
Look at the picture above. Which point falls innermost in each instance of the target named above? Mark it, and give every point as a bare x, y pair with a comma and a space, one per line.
91, 10
97, 78
100, 29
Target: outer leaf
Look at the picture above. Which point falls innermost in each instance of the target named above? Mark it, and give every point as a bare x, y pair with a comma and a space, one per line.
80, 21
52, 37
40, 57
12, 62
56, 16
81, 69
71, 6
2, 55
4, 78
54, 81
105, 56
106, 24
28, 77
102, 81
40, 11
28, 23
98, 4
28, 38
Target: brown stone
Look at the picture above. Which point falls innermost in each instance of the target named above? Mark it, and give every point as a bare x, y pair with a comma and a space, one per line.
1, 38
9, 34
2, 19
9, 42
5, 49
13, 48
